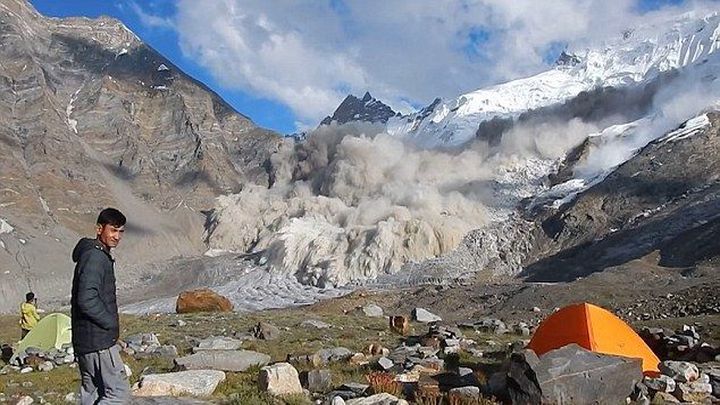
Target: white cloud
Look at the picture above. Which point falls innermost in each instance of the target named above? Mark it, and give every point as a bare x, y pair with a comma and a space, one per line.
309, 55
150, 20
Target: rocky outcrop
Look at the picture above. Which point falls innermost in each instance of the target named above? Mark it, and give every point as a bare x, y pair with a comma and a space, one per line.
90, 116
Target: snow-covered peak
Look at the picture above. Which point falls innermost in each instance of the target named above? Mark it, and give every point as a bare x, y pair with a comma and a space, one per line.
635, 56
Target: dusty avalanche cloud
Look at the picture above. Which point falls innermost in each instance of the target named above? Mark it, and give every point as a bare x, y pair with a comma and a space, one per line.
353, 203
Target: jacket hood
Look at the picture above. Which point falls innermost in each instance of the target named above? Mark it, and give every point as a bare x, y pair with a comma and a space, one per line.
84, 245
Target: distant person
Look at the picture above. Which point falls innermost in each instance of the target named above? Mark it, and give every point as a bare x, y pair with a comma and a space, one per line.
95, 322
28, 314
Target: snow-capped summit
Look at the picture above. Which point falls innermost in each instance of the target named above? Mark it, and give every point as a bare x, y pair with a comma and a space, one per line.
636, 56
367, 109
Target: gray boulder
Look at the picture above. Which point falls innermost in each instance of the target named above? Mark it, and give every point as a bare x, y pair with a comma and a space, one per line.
218, 343
385, 363
317, 380
313, 323
425, 316
573, 374
280, 379
325, 356
225, 360
373, 311
199, 383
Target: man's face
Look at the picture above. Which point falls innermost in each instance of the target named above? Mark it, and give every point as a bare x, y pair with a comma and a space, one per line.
110, 235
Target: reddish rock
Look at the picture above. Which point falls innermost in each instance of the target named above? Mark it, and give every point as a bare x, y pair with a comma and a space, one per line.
202, 300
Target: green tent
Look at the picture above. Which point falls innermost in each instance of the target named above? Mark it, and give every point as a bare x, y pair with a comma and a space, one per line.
52, 331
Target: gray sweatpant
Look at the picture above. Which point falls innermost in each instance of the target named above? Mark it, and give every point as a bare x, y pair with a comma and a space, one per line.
103, 379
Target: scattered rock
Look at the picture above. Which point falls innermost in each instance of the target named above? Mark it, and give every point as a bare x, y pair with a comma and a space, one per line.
425, 316
469, 392
536, 309
26, 370
372, 310
72, 398
217, 343
317, 380
46, 366
357, 388
325, 356
143, 339
662, 383
385, 363
165, 352
202, 300
280, 379
377, 399
25, 400
225, 360
265, 331
337, 400
694, 392
680, 371
312, 323
195, 382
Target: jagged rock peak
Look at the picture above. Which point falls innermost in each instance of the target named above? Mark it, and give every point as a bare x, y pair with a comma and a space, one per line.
368, 109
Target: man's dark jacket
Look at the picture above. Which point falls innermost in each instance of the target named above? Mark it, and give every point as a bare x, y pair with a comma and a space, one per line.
95, 324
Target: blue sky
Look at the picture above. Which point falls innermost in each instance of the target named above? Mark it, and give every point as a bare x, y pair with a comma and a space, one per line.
287, 64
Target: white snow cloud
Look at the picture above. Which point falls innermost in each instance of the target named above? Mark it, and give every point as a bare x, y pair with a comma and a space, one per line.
309, 55
150, 20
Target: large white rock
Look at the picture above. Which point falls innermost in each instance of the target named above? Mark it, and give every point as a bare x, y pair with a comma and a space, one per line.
225, 360
425, 316
377, 399
194, 382
280, 379
218, 343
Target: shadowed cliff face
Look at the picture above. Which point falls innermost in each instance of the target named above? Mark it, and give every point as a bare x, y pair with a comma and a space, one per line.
92, 117
666, 199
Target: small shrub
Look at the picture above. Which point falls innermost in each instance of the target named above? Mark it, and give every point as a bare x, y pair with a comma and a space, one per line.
428, 396
384, 382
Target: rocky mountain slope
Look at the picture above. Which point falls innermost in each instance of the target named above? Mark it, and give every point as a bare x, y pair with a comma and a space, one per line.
92, 117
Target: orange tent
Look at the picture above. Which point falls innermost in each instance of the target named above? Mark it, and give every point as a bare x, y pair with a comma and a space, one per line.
596, 330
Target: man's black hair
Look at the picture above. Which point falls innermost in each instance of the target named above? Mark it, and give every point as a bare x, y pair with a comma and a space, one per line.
111, 216
29, 297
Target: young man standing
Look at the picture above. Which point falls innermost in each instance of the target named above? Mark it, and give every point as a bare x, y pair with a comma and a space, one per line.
95, 323
28, 314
